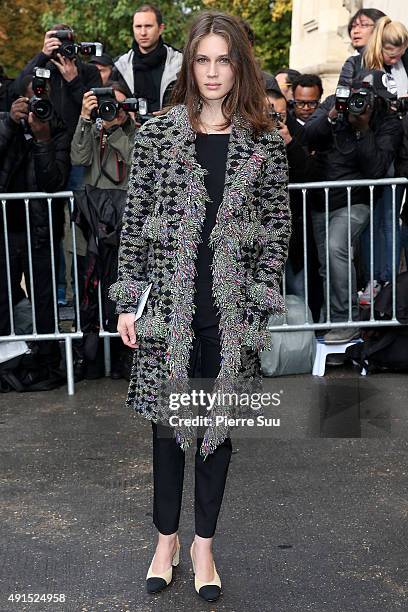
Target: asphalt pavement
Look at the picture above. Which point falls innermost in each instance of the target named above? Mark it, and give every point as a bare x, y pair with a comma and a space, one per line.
314, 514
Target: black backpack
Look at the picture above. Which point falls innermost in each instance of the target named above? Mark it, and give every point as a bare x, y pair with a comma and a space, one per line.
386, 348
27, 373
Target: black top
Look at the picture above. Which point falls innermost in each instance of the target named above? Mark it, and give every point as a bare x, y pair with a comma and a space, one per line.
211, 151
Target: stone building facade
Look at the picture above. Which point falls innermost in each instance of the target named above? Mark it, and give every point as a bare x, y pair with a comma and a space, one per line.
320, 41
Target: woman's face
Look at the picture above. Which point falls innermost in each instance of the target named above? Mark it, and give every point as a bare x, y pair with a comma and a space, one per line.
361, 30
392, 55
213, 70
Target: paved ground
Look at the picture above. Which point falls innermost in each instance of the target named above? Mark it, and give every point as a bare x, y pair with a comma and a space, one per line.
308, 523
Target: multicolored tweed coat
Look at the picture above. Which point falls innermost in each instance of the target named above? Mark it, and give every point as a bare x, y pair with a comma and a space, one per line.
162, 224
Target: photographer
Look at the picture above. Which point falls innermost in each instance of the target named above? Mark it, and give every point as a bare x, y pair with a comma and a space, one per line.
70, 77
303, 167
358, 143
105, 151
32, 158
104, 147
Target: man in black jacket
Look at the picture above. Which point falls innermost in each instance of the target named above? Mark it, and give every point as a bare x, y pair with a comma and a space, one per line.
34, 156
303, 167
149, 69
354, 147
70, 78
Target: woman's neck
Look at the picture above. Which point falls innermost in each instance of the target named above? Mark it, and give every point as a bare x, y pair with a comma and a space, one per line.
212, 118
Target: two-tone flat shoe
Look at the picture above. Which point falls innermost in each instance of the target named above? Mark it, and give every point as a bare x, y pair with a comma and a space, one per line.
208, 590
157, 582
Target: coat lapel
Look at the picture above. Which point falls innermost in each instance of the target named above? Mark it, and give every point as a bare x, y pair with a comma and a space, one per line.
244, 161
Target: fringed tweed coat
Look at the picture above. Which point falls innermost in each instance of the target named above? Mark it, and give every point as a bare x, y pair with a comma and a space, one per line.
162, 223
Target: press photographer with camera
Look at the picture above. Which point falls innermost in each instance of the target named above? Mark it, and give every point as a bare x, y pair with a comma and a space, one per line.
34, 156
103, 144
382, 45
104, 148
356, 136
70, 77
303, 167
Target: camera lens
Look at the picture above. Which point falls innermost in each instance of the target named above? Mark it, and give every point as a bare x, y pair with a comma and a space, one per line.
42, 109
68, 49
107, 110
357, 104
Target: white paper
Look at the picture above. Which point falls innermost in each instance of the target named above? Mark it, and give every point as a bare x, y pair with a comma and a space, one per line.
11, 349
142, 302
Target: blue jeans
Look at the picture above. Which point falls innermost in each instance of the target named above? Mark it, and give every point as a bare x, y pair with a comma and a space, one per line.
339, 256
382, 225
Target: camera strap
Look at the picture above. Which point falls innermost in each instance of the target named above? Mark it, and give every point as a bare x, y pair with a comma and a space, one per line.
120, 164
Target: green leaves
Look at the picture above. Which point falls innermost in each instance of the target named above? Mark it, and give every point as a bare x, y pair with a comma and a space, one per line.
24, 22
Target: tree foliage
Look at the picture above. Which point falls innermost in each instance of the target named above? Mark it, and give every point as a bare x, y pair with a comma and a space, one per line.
21, 31
23, 23
271, 23
110, 21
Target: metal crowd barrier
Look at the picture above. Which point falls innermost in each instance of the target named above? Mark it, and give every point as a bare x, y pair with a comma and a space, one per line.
68, 337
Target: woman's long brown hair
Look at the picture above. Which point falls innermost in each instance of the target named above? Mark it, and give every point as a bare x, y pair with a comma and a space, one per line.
247, 98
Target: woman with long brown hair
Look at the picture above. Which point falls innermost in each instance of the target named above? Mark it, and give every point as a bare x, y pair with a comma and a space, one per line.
206, 225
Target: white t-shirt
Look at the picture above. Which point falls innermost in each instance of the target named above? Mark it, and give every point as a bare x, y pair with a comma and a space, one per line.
397, 81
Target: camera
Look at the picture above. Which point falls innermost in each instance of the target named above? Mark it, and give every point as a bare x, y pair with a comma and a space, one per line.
67, 47
41, 108
70, 49
90, 48
142, 113
398, 106
360, 100
108, 106
38, 104
276, 117
356, 102
342, 98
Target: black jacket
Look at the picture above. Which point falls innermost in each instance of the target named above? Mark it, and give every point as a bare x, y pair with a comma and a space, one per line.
353, 65
303, 168
66, 97
26, 165
401, 164
5, 94
346, 155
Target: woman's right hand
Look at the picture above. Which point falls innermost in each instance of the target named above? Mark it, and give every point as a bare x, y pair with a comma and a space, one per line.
126, 329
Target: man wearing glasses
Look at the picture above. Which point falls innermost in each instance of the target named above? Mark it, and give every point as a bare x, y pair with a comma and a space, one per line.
307, 91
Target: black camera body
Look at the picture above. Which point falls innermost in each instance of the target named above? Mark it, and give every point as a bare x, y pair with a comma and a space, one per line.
67, 47
361, 100
399, 106
108, 106
276, 116
39, 104
356, 102
41, 108
70, 49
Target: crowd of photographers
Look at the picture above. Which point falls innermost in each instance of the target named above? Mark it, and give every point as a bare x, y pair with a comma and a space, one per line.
68, 122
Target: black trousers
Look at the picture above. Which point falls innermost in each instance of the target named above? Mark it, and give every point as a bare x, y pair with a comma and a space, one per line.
169, 458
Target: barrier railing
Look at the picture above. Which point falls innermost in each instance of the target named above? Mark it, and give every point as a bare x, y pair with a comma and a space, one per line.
305, 188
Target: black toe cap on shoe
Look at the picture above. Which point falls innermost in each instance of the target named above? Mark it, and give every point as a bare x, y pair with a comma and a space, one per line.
210, 592
154, 585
